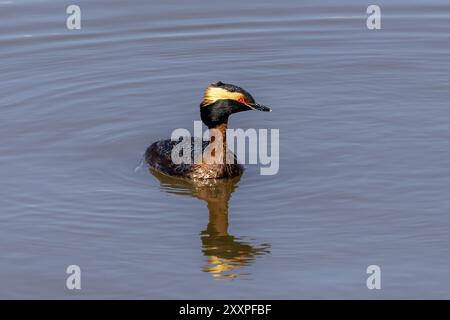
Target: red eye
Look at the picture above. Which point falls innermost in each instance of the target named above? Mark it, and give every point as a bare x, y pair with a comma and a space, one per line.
241, 100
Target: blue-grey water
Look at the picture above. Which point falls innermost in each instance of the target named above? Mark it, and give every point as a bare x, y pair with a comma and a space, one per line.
364, 150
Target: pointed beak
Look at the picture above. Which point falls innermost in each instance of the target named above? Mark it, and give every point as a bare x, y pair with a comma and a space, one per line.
259, 107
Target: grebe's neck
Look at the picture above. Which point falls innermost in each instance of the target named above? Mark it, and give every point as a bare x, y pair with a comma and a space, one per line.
219, 129
218, 138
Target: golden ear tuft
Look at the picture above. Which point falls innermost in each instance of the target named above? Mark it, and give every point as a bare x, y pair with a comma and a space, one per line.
214, 93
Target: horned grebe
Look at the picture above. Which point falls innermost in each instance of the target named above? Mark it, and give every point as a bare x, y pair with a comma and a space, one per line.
220, 100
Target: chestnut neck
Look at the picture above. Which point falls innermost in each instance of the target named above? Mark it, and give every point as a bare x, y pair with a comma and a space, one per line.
220, 129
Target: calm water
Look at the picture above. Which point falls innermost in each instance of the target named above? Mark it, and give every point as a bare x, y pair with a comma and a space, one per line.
364, 171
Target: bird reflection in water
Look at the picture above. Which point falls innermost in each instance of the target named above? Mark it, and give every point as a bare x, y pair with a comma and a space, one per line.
225, 254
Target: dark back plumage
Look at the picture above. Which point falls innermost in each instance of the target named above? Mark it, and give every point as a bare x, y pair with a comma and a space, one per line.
159, 157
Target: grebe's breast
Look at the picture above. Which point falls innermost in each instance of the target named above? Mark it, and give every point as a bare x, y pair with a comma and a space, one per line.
159, 157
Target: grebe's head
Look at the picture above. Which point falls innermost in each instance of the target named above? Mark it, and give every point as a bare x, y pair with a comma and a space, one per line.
223, 99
